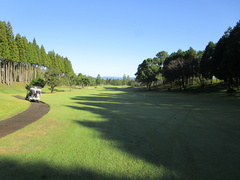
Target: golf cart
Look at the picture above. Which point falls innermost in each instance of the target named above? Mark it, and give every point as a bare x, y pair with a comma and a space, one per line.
34, 94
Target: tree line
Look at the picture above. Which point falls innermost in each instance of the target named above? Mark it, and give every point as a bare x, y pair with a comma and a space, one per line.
52, 79
22, 60
85, 81
219, 60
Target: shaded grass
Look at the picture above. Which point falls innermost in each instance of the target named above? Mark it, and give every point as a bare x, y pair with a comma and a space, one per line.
214, 89
111, 133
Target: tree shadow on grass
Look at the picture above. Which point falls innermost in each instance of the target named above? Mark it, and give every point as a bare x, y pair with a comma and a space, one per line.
167, 130
15, 170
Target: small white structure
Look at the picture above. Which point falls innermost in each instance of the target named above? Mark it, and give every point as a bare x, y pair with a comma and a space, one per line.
34, 94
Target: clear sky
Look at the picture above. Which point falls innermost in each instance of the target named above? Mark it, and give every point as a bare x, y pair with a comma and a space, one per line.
112, 37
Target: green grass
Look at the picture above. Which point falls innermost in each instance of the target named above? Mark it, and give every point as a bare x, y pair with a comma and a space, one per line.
112, 133
10, 105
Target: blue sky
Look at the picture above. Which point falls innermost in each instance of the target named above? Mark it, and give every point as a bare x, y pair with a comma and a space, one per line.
112, 37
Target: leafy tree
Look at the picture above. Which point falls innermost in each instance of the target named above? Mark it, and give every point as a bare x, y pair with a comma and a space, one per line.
71, 79
128, 80
124, 80
80, 80
52, 77
162, 55
117, 82
38, 82
84, 80
91, 81
148, 72
180, 66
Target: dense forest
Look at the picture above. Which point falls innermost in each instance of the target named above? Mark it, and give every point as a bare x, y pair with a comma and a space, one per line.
22, 60
218, 61
25, 61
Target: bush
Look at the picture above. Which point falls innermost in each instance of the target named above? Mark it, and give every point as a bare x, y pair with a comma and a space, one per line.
38, 82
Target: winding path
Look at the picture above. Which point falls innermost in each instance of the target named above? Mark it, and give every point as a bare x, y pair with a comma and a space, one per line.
32, 114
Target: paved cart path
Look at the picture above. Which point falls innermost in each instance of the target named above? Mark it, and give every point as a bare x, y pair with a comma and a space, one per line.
33, 113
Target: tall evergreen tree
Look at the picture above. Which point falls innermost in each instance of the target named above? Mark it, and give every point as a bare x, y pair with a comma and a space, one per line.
36, 52
221, 66
4, 47
233, 51
31, 56
52, 57
206, 65
43, 57
124, 80
98, 80
14, 55
22, 45
67, 66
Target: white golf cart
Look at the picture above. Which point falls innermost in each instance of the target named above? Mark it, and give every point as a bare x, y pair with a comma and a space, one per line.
34, 94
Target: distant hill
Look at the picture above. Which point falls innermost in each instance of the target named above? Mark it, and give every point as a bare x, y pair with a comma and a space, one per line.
110, 77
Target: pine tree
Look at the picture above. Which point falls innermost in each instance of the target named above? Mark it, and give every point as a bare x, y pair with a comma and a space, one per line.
14, 54
22, 45
99, 80
52, 57
36, 52
31, 58
206, 61
43, 56
4, 55
124, 81
4, 48
21, 60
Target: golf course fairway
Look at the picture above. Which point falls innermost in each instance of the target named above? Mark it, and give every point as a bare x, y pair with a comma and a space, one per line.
127, 133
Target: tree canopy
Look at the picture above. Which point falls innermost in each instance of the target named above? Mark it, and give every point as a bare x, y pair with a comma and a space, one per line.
220, 60
22, 60
148, 71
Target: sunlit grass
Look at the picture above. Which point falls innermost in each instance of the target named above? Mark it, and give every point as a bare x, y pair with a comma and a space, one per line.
111, 133
59, 142
10, 105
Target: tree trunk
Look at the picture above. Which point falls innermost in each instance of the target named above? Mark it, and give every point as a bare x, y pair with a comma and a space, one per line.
52, 89
11, 73
1, 70
7, 73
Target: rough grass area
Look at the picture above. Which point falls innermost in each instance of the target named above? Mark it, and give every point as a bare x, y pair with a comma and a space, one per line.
126, 133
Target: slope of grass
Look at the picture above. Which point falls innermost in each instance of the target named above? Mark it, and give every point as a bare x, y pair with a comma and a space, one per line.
111, 133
